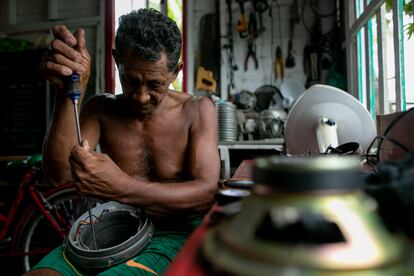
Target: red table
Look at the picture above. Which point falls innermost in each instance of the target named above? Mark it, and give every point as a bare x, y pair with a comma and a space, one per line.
187, 262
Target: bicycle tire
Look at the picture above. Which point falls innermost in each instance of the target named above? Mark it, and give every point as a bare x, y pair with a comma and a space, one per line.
35, 230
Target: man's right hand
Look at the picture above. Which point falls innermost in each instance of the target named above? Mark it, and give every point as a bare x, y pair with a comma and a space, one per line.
67, 55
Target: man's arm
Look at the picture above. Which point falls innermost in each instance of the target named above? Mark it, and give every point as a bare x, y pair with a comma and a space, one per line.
68, 55
99, 176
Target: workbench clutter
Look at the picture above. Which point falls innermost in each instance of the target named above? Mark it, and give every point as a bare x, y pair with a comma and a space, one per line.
252, 115
254, 42
305, 216
270, 42
263, 79
227, 123
322, 215
262, 114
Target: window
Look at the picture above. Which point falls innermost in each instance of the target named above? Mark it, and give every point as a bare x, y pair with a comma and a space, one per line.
174, 10
379, 51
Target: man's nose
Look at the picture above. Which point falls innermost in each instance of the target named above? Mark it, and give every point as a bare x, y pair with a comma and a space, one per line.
141, 95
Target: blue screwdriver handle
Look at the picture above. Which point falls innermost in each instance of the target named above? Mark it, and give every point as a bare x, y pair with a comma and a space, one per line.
73, 91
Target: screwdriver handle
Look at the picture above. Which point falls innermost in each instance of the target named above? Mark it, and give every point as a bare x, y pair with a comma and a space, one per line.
73, 91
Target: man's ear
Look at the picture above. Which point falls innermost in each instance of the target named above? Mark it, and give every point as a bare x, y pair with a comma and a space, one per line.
177, 70
115, 54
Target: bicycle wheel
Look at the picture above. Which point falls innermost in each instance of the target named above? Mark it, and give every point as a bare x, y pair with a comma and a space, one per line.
36, 237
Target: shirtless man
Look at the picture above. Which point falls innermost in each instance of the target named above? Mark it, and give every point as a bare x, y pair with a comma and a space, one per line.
159, 146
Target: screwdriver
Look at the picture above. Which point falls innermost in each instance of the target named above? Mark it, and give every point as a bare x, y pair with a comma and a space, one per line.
73, 93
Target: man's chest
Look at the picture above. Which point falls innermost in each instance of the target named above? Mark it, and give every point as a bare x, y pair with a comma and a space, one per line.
155, 151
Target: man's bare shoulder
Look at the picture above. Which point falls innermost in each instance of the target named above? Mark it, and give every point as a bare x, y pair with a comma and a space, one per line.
199, 109
194, 102
104, 98
102, 102
102, 107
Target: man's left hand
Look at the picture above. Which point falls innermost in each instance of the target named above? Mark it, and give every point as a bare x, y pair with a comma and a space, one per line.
95, 173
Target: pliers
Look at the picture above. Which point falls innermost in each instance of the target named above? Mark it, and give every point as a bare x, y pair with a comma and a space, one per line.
251, 52
279, 63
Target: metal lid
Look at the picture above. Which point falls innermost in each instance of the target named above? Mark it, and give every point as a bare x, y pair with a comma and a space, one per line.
302, 174
122, 231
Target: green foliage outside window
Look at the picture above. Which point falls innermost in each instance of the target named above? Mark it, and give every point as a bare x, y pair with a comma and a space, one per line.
175, 12
408, 10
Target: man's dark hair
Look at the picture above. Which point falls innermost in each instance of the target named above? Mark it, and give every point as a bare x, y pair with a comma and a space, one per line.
147, 33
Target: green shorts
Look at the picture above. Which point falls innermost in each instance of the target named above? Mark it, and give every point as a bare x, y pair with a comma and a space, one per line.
152, 260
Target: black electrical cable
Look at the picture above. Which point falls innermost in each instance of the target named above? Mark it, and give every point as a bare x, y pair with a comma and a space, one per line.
368, 156
382, 138
272, 68
322, 15
327, 41
232, 66
272, 52
279, 22
390, 126
308, 30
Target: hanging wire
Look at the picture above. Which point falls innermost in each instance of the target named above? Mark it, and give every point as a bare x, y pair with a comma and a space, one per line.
232, 66
391, 125
314, 10
307, 28
374, 159
279, 22
272, 68
87, 222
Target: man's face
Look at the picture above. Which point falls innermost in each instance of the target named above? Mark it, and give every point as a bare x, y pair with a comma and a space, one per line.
144, 83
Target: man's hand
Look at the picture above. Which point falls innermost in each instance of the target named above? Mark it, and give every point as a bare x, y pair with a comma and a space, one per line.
67, 55
95, 173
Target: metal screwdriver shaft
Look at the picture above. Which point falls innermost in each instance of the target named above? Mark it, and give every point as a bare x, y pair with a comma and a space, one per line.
73, 94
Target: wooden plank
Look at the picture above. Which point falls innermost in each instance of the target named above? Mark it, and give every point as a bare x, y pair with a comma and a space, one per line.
13, 157
12, 12
52, 10
44, 26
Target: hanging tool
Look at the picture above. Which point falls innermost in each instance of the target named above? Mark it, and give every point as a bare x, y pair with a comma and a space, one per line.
293, 20
205, 80
278, 49
252, 27
279, 64
262, 28
232, 66
260, 6
251, 52
290, 59
241, 24
73, 94
312, 54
